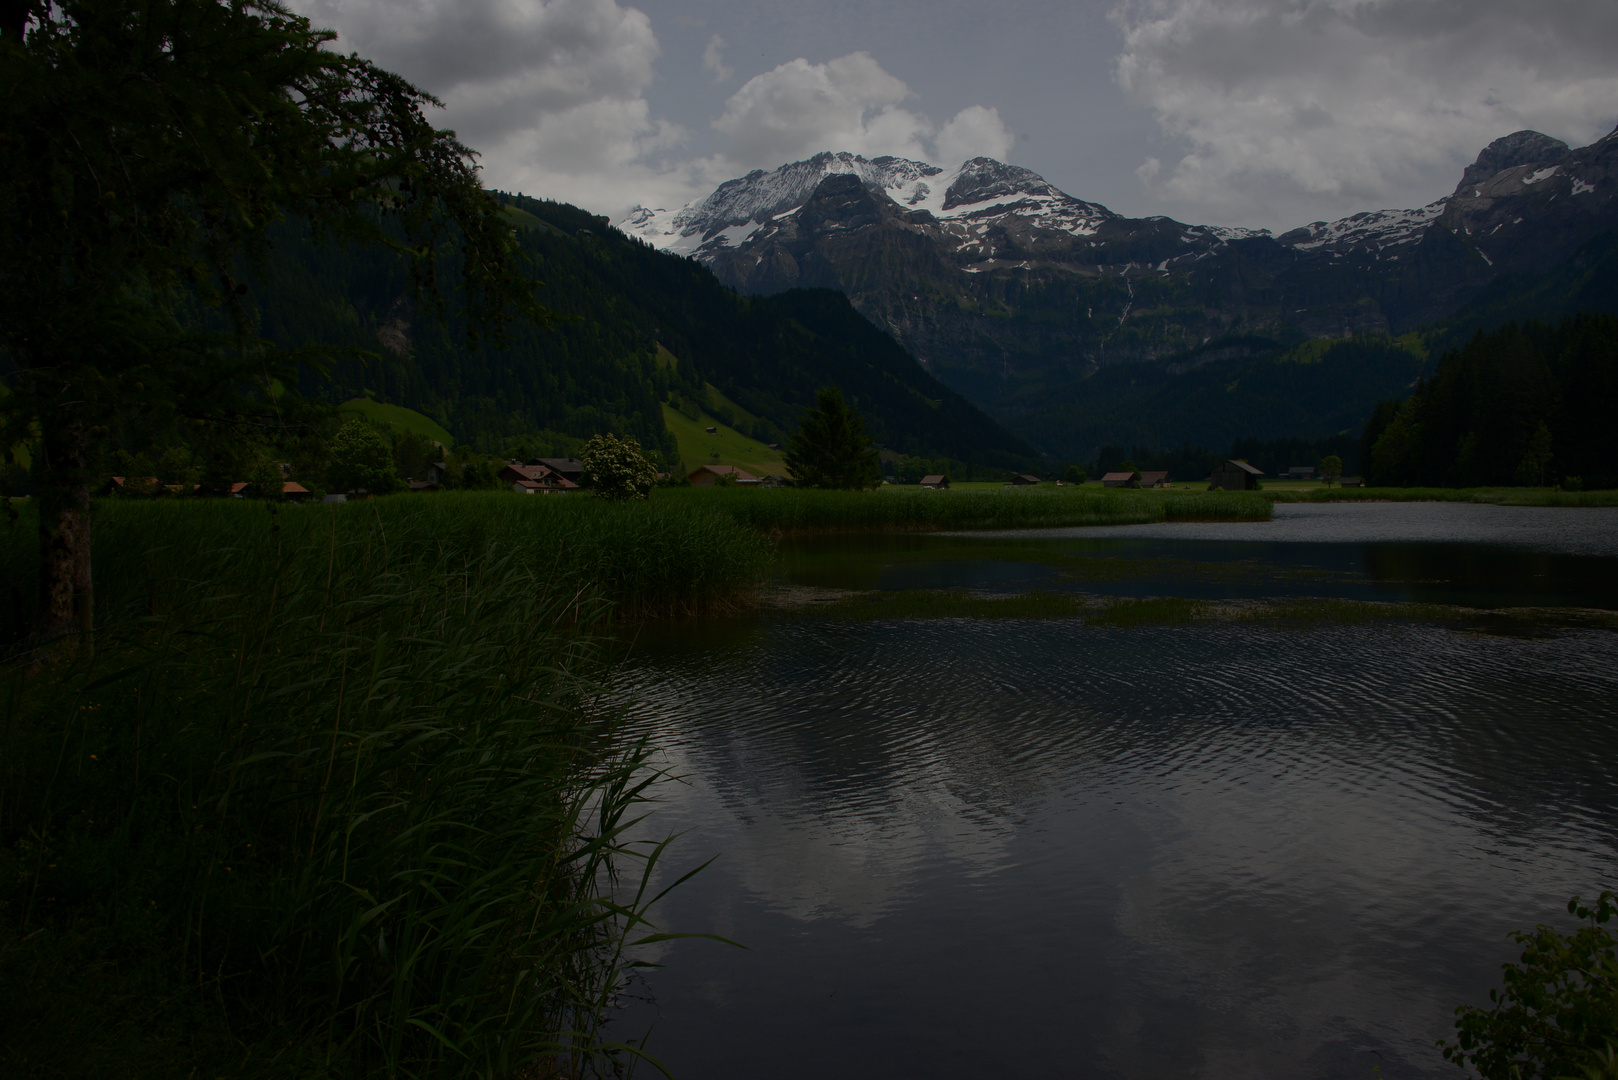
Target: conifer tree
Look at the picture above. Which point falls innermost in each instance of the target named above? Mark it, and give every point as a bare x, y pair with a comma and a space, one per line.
831, 448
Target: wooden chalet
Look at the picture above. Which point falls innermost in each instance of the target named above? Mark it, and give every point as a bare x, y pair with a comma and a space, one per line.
937, 481
1155, 480
1023, 479
1126, 479
529, 479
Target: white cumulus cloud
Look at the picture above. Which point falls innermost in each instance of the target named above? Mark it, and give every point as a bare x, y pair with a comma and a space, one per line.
851, 103
1281, 103
975, 131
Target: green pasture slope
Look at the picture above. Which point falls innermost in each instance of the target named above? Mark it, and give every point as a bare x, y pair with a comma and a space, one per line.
697, 446
399, 418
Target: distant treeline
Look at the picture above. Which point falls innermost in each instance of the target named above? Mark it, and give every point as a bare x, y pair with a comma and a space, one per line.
1527, 404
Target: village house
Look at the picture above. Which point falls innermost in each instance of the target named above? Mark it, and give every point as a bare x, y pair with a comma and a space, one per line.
1023, 479
1234, 475
937, 481
569, 469
1127, 479
709, 475
534, 479
1155, 480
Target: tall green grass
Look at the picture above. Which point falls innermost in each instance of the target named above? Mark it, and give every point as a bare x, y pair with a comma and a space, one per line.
333, 797
793, 510
663, 556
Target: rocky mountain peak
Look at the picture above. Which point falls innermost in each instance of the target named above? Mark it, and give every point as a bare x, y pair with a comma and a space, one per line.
1507, 152
982, 179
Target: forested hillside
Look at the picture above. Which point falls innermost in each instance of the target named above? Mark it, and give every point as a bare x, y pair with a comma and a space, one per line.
603, 369
1313, 390
1524, 404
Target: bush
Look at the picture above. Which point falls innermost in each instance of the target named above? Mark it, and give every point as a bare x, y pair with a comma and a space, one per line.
616, 468
361, 458
1557, 1015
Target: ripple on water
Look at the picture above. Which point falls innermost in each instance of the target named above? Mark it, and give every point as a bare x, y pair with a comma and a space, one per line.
1215, 848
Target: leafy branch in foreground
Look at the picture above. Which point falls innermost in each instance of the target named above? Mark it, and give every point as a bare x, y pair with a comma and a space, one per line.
147, 148
1557, 1015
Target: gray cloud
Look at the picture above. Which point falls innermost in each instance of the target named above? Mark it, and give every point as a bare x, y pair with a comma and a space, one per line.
713, 60
1273, 103
551, 92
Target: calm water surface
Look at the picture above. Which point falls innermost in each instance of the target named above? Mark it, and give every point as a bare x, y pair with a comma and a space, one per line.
1020, 848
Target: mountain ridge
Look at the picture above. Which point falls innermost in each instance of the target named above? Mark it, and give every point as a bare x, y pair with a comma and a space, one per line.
1003, 285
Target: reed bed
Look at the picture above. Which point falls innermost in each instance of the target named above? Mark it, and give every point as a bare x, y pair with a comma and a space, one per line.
789, 510
645, 558
333, 796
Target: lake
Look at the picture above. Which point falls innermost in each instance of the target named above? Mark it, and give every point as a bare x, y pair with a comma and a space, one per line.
959, 848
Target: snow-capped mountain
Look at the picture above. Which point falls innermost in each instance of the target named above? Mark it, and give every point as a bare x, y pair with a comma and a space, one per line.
960, 208
1005, 286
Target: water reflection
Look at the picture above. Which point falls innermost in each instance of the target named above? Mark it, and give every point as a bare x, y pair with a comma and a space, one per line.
1007, 848
1557, 568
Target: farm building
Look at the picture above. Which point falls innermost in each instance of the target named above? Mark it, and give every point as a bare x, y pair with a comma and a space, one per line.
1121, 479
571, 469
1234, 475
935, 480
1023, 479
709, 475
1155, 479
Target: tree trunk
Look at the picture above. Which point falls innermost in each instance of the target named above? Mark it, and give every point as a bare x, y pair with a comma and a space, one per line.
66, 601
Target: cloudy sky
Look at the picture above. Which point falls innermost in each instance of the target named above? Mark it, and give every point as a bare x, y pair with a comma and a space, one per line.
1265, 113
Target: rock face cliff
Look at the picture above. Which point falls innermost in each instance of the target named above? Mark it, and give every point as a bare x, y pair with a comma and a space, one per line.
1003, 285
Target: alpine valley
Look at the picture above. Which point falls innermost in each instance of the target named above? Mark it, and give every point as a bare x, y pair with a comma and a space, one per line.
1078, 327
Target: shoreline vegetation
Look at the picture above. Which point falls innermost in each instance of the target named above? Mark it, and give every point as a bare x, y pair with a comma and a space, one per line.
874, 604
1498, 496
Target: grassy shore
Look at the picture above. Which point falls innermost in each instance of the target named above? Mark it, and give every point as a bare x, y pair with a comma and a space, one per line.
1126, 612
1508, 496
892, 508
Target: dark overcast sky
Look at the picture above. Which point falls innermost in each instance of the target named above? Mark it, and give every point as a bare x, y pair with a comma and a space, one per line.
1264, 113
